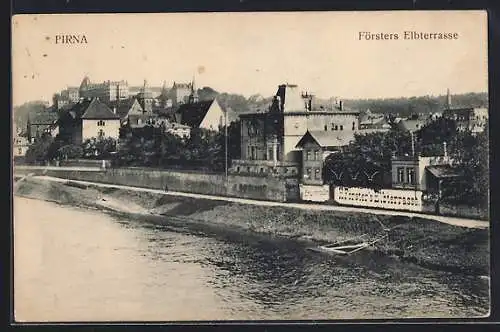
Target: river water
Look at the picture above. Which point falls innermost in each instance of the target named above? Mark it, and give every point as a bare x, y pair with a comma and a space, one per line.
73, 264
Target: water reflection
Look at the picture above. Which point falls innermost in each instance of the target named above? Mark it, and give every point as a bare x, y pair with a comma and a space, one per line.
153, 272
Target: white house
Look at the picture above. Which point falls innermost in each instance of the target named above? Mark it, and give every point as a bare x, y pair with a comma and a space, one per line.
203, 114
89, 119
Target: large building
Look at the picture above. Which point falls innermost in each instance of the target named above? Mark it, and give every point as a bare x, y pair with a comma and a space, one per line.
275, 132
180, 92
89, 118
105, 91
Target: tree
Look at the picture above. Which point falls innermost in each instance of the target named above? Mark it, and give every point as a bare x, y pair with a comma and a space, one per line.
99, 148
38, 152
432, 136
70, 151
366, 162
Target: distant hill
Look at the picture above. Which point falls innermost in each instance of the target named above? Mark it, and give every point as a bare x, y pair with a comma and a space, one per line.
403, 106
424, 104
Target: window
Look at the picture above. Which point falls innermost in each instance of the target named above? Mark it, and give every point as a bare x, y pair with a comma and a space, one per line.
307, 175
341, 127
308, 155
401, 174
410, 173
101, 123
326, 128
317, 174
316, 155
101, 133
353, 125
270, 154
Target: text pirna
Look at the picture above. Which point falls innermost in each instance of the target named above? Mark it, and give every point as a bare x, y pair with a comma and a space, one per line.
71, 39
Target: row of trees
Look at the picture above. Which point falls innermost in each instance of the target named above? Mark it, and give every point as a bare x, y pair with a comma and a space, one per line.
148, 146
153, 147
48, 149
367, 161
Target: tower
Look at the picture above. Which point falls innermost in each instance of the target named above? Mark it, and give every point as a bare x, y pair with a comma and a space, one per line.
145, 98
193, 96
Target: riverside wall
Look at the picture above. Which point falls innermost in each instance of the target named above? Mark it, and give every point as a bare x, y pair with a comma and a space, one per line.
243, 186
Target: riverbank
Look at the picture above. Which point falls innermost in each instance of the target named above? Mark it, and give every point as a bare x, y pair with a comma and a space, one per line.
418, 240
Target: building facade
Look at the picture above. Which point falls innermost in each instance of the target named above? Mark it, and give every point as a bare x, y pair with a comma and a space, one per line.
411, 172
316, 146
469, 118
89, 118
106, 91
292, 113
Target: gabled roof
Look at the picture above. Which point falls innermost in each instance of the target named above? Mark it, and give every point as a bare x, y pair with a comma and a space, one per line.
98, 110
327, 139
129, 107
444, 171
192, 114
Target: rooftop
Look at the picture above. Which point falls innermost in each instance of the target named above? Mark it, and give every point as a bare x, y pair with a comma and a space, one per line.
444, 171
328, 138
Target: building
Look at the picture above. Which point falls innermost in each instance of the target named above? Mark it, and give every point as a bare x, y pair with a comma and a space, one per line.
316, 146
124, 107
106, 91
20, 143
411, 172
411, 125
203, 114
89, 118
468, 118
40, 122
180, 93
291, 114
370, 121
472, 119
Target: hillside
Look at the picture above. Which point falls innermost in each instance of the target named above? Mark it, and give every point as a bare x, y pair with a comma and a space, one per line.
403, 106
422, 104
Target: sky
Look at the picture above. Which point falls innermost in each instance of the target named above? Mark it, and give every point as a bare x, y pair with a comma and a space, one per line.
252, 53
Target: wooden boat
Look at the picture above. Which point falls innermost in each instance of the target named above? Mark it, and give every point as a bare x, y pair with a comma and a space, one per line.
346, 247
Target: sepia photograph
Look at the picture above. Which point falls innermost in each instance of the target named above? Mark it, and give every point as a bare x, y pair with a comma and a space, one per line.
250, 166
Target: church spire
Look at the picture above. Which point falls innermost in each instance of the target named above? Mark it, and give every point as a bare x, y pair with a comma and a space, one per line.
193, 98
